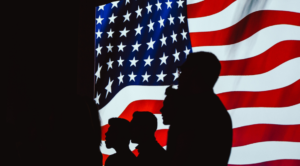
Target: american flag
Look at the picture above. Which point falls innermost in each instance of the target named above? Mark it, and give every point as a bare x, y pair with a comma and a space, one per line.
139, 44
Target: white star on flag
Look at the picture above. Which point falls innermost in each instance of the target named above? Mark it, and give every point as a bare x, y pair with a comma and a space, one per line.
109, 47
145, 77
171, 19
138, 30
183, 34
108, 87
112, 18
99, 20
180, 3
133, 62
158, 5
150, 44
161, 22
127, 1
120, 78
132, 77
120, 61
176, 74
126, 16
169, 4
149, 8
115, 4
181, 18
97, 98
136, 46
163, 40
161, 76
110, 33
98, 49
176, 55
138, 12
101, 7
124, 32
163, 59
109, 63
150, 25
174, 37
121, 47
97, 74
186, 51
98, 34
148, 61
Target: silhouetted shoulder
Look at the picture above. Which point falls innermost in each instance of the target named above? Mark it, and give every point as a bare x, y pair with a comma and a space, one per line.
126, 159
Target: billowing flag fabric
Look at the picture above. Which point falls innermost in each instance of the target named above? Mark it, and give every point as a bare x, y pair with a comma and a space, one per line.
140, 44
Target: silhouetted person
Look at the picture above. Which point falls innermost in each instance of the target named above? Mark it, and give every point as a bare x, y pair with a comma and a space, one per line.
143, 127
200, 127
118, 137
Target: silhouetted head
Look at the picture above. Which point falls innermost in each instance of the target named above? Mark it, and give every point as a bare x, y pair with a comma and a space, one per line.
199, 72
118, 134
168, 110
143, 126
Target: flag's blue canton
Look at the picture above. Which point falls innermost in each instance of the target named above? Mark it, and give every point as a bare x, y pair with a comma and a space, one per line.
145, 51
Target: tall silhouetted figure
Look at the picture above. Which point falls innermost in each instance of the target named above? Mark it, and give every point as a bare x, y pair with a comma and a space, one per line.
118, 137
143, 127
200, 127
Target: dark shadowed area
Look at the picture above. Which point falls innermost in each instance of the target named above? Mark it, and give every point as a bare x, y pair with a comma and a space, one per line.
50, 63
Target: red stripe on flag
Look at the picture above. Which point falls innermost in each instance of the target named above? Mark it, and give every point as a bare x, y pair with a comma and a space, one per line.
104, 129
287, 162
104, 158
207, 7
161, 136
135, 152
265, 132
244, 28
282, 97
266, 61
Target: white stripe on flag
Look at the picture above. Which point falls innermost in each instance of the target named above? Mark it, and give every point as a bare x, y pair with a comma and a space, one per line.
189, 2
128, 94
236, 12
262, 115
160, 124
264, 151
281, 76
255, 44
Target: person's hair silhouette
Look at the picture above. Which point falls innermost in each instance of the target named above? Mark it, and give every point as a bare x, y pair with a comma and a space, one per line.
118, 137
200, 126
143, 127
199, 72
